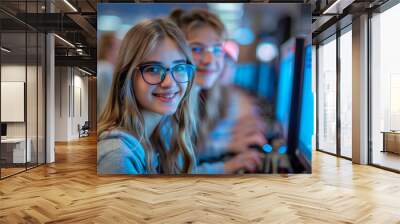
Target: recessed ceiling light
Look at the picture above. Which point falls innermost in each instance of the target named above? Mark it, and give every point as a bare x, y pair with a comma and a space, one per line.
5, 50
337, 7
70, 5
84, 71
64, 40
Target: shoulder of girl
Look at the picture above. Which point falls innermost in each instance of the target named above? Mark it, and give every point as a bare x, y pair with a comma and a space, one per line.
120, 142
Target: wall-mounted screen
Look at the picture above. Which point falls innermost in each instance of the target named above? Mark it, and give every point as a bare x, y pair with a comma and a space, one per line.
12, 101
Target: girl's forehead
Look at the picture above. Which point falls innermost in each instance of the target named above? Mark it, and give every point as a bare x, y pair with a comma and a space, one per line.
204, 34
166, 52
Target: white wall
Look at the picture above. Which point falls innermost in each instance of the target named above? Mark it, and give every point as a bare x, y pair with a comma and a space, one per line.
69, 82
80, 83
61, 103
13, 73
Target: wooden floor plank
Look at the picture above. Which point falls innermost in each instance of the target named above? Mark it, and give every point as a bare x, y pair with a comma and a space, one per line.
70, 191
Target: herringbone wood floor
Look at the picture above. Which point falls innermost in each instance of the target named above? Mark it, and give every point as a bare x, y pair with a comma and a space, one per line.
70, 191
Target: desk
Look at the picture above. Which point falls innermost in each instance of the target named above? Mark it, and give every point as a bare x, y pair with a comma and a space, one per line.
391, 141
16, 147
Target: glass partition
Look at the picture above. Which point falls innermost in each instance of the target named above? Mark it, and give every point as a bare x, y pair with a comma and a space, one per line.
14, 144
22, 89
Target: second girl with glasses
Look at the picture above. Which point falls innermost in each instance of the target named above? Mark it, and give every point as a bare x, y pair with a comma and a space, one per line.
150, 90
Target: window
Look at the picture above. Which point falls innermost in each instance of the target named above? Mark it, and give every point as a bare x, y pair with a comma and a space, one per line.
327, 96
346, 93
385, 89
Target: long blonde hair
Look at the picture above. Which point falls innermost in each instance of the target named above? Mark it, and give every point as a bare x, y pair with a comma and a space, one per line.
123, 112
213, 103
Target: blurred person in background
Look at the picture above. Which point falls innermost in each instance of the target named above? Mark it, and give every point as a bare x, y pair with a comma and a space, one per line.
223, 115
108, 51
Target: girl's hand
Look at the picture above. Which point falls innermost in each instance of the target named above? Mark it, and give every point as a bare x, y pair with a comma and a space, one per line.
248, 131
249, 160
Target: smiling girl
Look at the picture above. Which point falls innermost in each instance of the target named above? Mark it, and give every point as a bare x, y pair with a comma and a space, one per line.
221, 110
150, 91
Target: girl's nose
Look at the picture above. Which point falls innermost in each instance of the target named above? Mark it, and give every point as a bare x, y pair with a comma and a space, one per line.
168, 80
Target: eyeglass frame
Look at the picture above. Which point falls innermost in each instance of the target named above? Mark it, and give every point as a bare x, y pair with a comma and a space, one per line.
208, 49
141, 67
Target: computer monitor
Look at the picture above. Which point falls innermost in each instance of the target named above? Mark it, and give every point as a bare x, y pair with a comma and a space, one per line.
290, 65
288, 99
3, 130
306, 128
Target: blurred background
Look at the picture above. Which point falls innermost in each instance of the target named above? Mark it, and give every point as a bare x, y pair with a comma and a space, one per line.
256, 32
